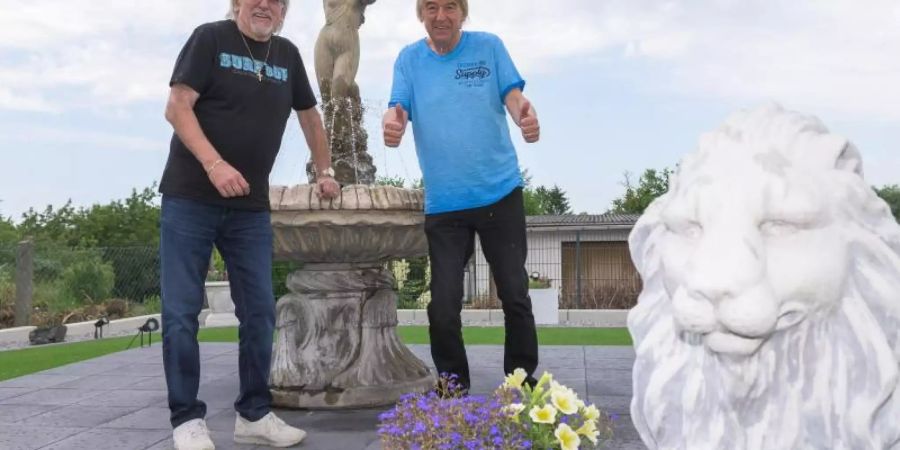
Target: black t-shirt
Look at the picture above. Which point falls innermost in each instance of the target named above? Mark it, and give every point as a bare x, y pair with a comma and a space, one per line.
242, 117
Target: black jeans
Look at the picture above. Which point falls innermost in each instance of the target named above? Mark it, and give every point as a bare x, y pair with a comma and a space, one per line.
451, 241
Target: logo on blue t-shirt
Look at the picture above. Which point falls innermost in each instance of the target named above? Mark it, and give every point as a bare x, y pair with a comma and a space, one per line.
245, 64
472, 74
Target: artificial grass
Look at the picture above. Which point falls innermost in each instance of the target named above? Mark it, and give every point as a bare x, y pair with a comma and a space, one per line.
546, 335
16, 363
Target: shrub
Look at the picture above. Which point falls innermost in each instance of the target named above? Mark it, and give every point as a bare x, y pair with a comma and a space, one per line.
91, 279
136, 271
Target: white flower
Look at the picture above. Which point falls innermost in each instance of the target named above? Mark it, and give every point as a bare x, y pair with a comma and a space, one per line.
515, 379
568, 439
564, 400
547, 414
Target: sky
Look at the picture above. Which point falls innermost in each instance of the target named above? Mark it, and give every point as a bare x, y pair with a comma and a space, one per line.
619, 85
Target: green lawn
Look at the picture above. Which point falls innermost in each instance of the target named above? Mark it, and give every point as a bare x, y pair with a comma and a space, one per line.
16, 363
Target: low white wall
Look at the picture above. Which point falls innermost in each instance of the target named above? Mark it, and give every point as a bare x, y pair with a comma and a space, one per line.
83, 331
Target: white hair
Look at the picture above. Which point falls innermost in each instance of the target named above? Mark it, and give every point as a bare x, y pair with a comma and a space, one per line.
233, 9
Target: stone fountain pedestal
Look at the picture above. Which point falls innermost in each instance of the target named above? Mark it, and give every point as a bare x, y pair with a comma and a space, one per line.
337, 343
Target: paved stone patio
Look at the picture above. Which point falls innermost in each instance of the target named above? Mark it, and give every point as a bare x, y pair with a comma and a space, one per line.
119, 401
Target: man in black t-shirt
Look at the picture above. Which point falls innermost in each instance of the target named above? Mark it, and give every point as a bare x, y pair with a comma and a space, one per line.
232, 91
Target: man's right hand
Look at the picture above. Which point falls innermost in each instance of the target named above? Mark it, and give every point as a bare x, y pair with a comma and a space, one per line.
228, 181
394, 125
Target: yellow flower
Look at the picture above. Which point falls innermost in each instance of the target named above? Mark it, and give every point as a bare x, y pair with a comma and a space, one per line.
591, 413
545, 378
564, 400
515, 379
568, 439
547, 414
589, 430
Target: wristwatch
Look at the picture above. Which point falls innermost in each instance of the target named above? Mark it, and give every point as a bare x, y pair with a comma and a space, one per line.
329, 172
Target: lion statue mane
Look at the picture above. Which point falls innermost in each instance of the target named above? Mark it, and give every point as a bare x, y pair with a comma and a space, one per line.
770, 313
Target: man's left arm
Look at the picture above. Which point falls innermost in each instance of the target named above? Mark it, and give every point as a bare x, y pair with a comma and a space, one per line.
523, 114
314, 132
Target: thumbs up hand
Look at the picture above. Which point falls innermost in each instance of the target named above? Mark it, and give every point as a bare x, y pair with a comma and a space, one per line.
394, 125
528, 122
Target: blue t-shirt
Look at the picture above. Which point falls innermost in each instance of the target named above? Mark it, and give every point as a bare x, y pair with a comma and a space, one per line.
456, 105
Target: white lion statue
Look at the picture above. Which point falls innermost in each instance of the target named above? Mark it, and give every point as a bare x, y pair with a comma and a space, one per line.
770, 315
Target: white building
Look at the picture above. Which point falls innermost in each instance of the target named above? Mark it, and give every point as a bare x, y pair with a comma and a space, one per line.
585, 256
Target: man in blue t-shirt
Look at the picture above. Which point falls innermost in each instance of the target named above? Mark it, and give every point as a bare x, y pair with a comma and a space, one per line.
455, 88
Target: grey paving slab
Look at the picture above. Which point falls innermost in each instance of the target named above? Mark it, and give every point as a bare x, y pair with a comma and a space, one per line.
613, 382
332, 441
102, 381
18, 437
119, 400
106, 439
8, 392
138, 370
83, 368
226, 358
125, 398
38, 381
150, 418
601, 352
53, 397
148, 384
612, 404
14, 413
223, 440
609, 363
78, 416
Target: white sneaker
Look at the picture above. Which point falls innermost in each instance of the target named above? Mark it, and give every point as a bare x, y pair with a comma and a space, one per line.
192, 435
270, 430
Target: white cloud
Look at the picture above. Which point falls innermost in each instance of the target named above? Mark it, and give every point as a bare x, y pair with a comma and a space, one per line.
17, 135
835, 55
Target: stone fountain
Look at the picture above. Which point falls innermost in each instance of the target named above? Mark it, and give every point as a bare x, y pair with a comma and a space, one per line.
337, 343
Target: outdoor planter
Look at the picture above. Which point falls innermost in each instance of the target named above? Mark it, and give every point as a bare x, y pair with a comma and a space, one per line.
544, 300
218, 295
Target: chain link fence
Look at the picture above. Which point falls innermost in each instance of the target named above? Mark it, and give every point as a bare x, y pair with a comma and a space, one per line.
74, 284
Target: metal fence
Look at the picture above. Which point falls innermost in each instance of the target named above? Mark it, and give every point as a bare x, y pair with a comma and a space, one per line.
584, 275
71, 284
62, 284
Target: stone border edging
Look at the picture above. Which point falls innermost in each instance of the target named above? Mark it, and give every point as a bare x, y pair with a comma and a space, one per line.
12, 338
587, 318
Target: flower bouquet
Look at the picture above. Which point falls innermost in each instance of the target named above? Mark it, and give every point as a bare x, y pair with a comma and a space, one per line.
515, 416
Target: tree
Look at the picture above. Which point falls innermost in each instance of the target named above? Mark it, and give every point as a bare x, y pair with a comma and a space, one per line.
399, 182
390, 181
636, 199
552, 201
891, 195
541, 200
130, 222
8, 232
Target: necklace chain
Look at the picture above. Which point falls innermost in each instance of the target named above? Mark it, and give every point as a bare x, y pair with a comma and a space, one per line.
266, 61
